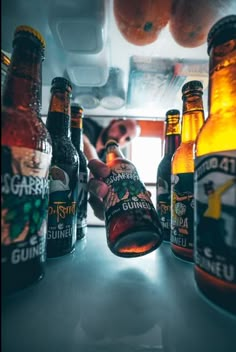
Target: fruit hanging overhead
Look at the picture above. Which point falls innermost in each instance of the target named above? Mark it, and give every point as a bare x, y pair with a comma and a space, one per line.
141, 21
191, 20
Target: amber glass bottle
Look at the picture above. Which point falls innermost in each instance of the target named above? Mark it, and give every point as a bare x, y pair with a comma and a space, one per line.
163, 184
182, 200
132, 224
215, 175
26, 154
77, 140
63, 186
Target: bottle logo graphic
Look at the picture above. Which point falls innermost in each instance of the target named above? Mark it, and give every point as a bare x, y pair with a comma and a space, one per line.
215, 188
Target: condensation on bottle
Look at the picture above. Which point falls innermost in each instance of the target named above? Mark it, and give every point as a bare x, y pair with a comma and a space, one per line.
215, 174
26, 155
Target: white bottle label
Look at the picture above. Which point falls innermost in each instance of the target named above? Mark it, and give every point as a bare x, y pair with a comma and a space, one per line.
215, 216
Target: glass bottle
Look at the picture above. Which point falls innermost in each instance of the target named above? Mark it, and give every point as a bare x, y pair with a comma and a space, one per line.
163, 185
26, 154
77, 140
132, 224
63, 186
182, 170
215, 175
5, 62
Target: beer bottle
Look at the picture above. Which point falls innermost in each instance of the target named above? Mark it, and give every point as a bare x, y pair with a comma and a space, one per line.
182, 201
77, 140
26, 154
132, 224
215, 174
63, 175
163, 185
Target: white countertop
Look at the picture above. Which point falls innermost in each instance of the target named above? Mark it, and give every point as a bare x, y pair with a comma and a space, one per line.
94, 301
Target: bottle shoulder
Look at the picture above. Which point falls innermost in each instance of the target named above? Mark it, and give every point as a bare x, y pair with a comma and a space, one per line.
166, 158
183, 149
165, 162
217, 134
63, 150
26, 129
119, 161
183, 158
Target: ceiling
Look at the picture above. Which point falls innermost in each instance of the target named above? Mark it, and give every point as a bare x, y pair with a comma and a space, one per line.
84, 44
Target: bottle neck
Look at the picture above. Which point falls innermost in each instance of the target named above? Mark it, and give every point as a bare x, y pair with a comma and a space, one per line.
113, 152
58, 120
193, 117
171, 143
77, 132
173, 135
23, 84
222, 82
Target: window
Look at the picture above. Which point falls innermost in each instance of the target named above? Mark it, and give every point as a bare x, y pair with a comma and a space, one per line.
146, 153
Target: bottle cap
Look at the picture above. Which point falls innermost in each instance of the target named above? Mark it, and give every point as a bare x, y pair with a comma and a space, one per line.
172, 112
110, 142
223, 30
61, 83
192, 86
31, 30
77, 109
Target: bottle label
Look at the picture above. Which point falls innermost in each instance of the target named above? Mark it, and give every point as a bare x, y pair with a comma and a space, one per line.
82, 200
24, 203
182, 205
215, 224
163, 194
127, 192
62, 210
163, 209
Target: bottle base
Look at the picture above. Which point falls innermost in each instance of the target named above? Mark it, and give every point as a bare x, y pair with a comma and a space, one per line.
182, 253
9, 290
51, 254
166, 237
135, 244
220, 296
81, 233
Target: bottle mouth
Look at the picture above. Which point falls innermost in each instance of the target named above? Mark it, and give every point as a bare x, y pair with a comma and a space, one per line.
172, 112
77, 109
192, 86
112, 141
61, 83
223, 30
31, 30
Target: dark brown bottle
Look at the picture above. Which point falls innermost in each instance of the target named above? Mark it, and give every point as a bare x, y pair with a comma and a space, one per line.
182, 170
63, 186
132, 224
26, 154
215, 174
163, 185
77, 140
